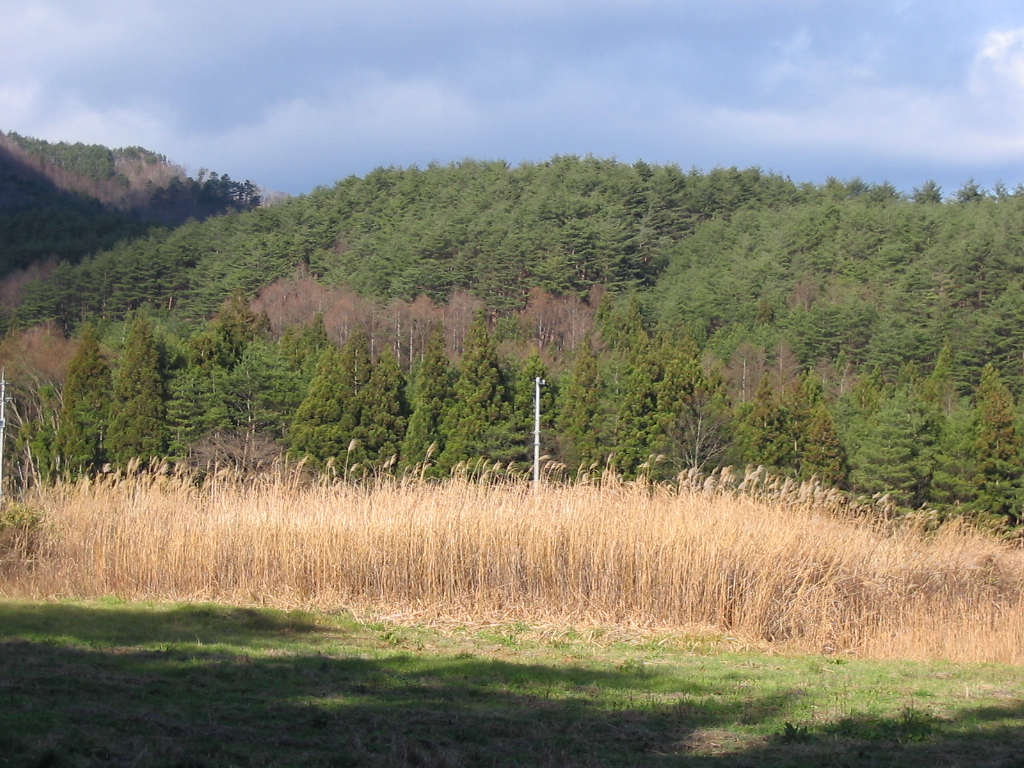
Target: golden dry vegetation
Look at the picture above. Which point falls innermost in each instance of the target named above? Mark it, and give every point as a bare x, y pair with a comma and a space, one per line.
788, 567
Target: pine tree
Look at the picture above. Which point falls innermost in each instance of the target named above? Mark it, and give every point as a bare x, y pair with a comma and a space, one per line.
638, 428
138, 427
356, 367
36, 439
479, 423
693, 408
319, 431
622, 326
237, 326
327, 423
892, 449
83, 422
302, 349
823, 454
225, 338
431, 396
579, 418
382, 411
263, 391
197, 404
997, 449
940, 388
801, 401
956, 460
765, 432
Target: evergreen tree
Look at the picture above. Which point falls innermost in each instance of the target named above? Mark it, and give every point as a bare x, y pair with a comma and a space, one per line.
953, 485
328, 421
621, 325
823, 456
320, 430
997, 449
940, 387
893, 449
693, 408
236, 326
36, 439
638, 427
197, 388
263, 390
765, 430
83, 421
302, 348
138, 427
356, 367
802, 401
431, 396
382, 411
579, 418
479, 423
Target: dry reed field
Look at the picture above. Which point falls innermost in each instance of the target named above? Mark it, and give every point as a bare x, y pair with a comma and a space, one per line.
779, 566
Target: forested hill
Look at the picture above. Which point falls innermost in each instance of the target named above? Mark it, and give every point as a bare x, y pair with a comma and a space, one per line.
843, 275
843, 331
564, 226
63, 201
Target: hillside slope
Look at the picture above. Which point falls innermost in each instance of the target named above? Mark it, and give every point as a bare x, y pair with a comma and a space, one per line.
63, 201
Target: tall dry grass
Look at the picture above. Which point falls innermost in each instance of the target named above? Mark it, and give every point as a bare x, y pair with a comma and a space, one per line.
768, 563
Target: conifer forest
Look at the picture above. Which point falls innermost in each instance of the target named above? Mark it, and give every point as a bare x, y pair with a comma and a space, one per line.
683, 322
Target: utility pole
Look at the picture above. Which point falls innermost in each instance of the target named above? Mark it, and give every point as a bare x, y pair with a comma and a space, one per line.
3, 425
537, 382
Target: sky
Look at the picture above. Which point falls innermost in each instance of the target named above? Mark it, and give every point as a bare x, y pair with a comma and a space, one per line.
294, 95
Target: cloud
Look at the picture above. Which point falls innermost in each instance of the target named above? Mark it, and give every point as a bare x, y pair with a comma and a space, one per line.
1000, 63
295, 94
384, 121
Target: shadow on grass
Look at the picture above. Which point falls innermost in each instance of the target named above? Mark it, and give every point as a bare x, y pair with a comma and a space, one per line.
74, 692
116, 624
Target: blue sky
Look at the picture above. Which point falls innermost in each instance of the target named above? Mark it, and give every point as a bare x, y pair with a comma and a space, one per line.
295, 95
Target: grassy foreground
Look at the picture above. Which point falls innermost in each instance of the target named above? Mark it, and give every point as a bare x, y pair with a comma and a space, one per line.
109, 683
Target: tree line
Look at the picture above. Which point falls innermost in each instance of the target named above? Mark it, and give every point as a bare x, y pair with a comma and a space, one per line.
644, 400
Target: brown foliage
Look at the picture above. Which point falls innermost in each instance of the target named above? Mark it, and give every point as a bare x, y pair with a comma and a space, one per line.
744, 372
38, 356
557, 323
410, 327
244, 451
291, 302
459, 314
13, 285
142, 177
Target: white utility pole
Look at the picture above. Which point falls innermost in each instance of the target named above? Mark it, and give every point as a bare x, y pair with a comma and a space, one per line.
537, 382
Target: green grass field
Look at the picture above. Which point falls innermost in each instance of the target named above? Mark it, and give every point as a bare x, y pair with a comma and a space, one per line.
112, 684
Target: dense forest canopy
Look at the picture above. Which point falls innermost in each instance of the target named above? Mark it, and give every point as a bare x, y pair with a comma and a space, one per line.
564, 226
685, 320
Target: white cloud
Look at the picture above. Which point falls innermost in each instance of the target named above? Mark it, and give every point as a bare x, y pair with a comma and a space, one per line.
374, 118
1000, 62
20, 102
